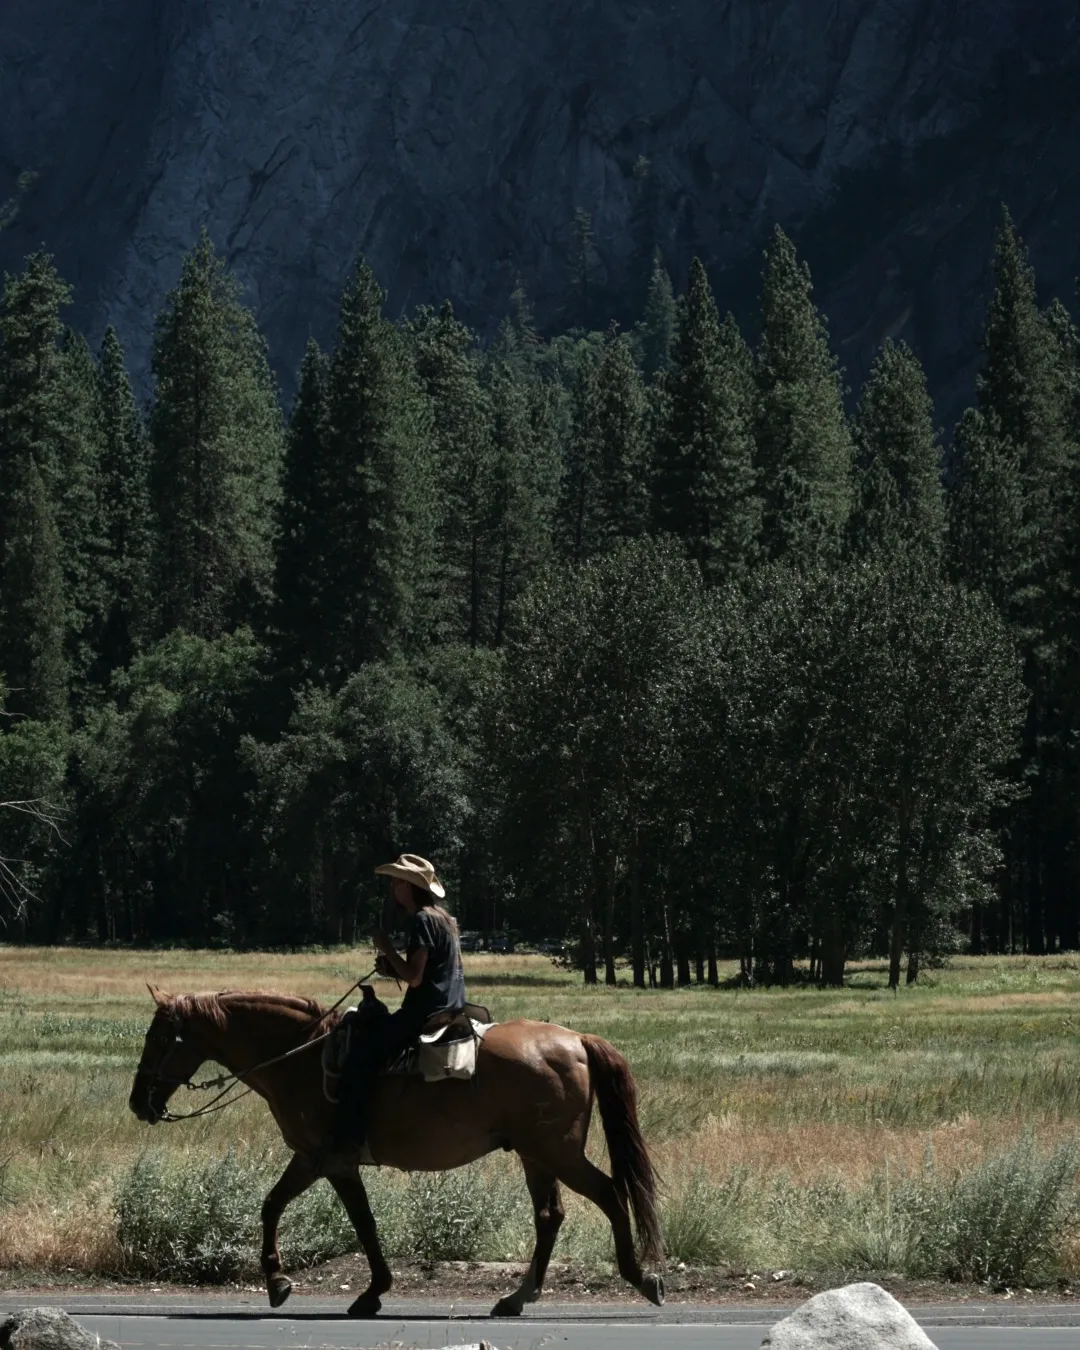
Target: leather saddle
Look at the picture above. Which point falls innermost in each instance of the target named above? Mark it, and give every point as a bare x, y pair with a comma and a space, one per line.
433, 1055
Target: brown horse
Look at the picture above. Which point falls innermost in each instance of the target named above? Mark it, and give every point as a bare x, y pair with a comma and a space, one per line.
532, 1094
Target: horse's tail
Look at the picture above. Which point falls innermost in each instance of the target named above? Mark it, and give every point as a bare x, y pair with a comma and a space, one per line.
631, 1169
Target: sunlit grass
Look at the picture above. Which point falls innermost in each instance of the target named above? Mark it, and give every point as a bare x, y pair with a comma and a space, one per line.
798, 1087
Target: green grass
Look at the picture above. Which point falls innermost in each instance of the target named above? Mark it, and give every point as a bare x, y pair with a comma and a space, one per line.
800, 1129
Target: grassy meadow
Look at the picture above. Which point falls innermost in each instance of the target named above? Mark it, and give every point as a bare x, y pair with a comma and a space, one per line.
931, 1132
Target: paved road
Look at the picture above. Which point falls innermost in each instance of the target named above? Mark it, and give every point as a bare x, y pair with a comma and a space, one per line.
317, 1324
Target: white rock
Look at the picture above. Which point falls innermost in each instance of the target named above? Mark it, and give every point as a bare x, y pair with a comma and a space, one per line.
857, 1317
48, 1329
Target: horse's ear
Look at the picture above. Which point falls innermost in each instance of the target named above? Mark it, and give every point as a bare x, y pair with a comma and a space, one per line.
159, 998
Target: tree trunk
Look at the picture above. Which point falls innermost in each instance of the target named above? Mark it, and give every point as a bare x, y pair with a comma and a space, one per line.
588, 943
682, 958
699, 963
714, 973
833, 956
976, 930
609, 923
667, 971
898, 938
637, 929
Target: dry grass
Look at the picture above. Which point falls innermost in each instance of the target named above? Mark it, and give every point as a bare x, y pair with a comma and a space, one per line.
804, 1085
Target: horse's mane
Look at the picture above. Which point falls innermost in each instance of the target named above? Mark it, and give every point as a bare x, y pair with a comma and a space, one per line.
214, 1007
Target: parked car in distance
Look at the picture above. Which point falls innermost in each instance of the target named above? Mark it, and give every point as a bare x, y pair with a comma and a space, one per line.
470, 942
502, 943
551, 947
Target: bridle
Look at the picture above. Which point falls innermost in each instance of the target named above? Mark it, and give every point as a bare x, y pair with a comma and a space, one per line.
158, 1077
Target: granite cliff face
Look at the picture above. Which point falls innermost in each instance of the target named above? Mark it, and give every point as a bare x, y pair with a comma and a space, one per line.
452, 140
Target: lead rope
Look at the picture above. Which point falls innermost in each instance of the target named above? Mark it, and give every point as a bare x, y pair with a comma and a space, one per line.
228, 1081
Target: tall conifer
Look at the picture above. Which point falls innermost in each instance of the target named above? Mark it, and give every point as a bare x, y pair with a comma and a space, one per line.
34, 432
990, 542
656, 329
34, 617
381, 521
899, 498
705, 484
126, 508
617, 427
79, 510
445, 354
525, 482
803, 441
217, 438
301, 566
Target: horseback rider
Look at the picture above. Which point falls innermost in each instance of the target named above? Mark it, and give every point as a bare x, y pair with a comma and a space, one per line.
435, 983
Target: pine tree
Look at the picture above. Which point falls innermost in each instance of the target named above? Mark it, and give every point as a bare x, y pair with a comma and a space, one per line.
34, 431
217, 443
579, 486
444, 352
656, 329
517, 343
126, 509
34, 618
31, 387
382, 518
990, 542
79, 510
582, 299
803, 441
525, 486
900, 501
302, 565
604, 491
704, 487
1025, 384
617, 428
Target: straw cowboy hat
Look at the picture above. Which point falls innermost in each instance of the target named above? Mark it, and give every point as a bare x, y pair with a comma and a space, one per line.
411, 867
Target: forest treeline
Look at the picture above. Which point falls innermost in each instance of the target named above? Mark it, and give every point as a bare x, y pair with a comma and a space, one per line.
642, 636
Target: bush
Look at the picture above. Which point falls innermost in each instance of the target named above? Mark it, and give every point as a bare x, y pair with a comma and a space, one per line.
1005, 1222
459, 1216
199, 1221
705, 1223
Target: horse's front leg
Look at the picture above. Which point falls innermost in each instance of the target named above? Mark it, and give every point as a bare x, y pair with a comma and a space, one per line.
353, 1196
296, 1178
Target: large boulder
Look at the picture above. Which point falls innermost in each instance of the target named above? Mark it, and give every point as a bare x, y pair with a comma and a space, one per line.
856, 1317
48, 1329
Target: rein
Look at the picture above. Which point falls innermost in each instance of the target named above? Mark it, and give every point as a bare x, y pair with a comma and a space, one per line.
228, 1081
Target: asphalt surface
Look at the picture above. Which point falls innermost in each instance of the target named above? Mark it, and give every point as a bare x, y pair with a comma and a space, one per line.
309, 1323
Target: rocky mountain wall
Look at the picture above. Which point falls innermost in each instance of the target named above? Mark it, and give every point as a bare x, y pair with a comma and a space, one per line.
452, 141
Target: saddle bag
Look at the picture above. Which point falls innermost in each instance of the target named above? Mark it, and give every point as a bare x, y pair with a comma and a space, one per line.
449, 1051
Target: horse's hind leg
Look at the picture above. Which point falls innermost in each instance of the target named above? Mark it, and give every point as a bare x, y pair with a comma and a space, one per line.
353, 1195
296, 1178
548, 1215
582, 1176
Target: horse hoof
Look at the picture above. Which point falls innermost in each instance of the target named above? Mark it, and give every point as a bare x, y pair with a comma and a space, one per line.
279, 1290
367, 1305
506, 1307
652, 1286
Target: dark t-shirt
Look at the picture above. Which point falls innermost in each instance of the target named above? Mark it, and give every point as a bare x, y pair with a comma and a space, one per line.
443, 985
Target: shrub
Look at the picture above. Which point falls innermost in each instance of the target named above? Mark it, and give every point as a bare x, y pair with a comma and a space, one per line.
199, 1221
705, 1223
448, 1216
1006, 1222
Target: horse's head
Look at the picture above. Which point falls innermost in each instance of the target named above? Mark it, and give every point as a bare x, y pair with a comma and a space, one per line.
171, 1054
